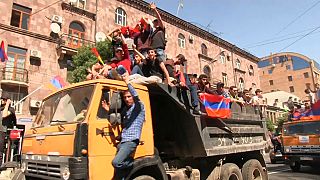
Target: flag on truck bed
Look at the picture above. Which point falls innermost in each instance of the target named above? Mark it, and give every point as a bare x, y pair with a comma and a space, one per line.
216, 106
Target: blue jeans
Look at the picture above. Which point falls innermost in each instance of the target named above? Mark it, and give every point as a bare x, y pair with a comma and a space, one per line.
123, 160
136, 70
160, 54
120, 70
193, 91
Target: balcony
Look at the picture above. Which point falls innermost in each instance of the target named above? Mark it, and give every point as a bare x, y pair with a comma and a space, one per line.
69, 44
14, 76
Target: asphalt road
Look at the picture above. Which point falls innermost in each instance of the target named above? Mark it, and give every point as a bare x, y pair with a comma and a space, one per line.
281, 171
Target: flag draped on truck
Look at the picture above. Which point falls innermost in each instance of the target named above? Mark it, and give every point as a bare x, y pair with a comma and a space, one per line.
216, 106
312, 113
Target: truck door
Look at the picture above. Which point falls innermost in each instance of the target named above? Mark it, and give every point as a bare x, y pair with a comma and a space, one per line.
102, 135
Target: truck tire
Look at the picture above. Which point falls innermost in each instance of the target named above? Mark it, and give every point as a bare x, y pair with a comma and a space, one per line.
144, 177
230, 171
252, 169
295, 166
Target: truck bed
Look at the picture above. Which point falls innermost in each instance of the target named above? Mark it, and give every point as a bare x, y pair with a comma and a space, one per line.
179, 133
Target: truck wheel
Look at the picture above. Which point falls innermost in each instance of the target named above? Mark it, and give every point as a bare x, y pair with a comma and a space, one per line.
295, 166
230, 171
144, 177
252, 169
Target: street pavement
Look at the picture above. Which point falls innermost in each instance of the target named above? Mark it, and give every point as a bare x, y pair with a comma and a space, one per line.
281, 171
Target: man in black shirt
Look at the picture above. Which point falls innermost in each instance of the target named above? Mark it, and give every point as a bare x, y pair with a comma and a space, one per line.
158, 42
8, 120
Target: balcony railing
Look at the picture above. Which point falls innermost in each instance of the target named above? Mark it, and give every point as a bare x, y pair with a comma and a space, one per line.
73, 42
14, 75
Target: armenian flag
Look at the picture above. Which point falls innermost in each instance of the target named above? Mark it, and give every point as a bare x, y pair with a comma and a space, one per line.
96, 53
56, 83
3, 55
216, 106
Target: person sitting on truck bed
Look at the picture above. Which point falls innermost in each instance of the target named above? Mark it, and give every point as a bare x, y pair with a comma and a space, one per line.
204, 85
133, 116
220, 90
233, 91
153, 69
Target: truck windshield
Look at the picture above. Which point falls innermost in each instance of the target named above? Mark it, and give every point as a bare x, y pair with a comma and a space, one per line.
304, 128
66, 106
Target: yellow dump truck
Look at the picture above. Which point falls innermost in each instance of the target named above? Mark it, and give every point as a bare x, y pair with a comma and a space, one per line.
72, 137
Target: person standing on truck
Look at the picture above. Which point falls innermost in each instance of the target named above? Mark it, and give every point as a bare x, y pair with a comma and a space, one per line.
8, 120
133, 116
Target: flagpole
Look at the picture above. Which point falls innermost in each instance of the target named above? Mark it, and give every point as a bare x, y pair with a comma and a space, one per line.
28, 95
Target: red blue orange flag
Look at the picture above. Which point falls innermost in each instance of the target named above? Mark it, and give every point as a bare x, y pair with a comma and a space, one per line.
216, 106
3, 55
56, 83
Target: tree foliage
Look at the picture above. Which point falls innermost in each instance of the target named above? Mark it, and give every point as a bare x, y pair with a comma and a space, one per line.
280, 122
270, 125
85, 59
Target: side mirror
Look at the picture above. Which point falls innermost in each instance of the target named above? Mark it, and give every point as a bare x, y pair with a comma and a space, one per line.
115, 119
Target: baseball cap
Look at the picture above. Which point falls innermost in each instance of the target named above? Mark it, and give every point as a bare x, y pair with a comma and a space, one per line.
119, 48
5, 95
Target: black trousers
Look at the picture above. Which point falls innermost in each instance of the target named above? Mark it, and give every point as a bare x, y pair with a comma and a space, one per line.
2, 142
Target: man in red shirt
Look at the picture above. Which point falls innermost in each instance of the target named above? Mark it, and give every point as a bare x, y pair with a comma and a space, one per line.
121, 62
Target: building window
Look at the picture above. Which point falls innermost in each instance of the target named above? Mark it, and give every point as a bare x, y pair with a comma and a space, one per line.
76, 35
306, 75
238, 64
204, 49
251, 71
225, 79
16, 97
289, 78
288, 67
15, 66
241, 84
222, 58
291, 88
207, 71
308, 85
121, 17
270, 82
181, 40
20, 16
79, 4
269, 71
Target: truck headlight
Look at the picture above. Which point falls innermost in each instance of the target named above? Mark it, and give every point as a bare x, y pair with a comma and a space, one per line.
65, 173
287, 149
23, 166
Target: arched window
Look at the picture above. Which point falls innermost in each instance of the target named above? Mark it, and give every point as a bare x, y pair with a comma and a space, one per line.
207, 71
238, 64
181, 40
241, 84
204, 49
222, 58
120, 17
75, 35
251, 72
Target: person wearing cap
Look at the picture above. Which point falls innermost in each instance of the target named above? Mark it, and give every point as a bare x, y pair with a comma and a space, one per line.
158, 41
121, 63
142, 38
8, 120
184, 81
259, 103
220, 90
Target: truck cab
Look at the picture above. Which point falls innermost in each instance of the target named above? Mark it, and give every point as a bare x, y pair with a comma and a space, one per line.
301, 143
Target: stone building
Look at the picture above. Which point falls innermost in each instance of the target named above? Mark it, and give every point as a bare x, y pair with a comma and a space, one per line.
37, 54
290, 72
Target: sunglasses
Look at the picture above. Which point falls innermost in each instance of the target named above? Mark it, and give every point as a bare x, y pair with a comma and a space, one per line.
118, 51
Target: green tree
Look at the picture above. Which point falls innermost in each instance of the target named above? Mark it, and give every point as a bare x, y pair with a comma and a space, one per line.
280, 122
85, 59
270, 125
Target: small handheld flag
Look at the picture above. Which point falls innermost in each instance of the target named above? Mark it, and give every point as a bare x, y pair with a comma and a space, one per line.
56, 83
3, 55
96, 53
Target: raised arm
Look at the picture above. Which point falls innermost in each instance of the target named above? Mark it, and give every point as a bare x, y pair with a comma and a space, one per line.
109, 35
154, 7
138, 53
